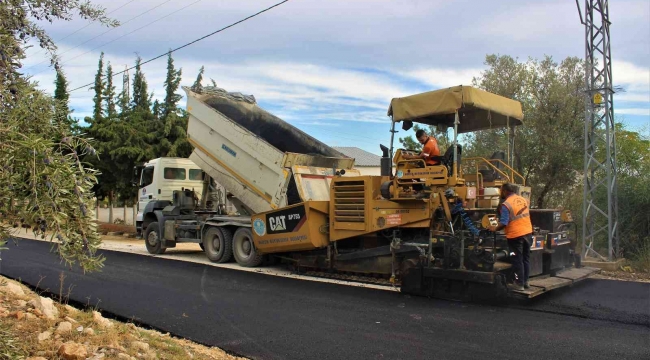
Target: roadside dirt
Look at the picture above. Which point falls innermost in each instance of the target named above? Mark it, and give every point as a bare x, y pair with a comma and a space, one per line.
37, 328
105, 227
624, 276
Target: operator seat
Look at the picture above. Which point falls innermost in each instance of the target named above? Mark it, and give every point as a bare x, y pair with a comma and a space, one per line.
491, 175
448, 158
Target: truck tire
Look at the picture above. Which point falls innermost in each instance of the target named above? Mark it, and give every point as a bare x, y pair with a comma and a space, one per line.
217, 244
152, 239
244, 250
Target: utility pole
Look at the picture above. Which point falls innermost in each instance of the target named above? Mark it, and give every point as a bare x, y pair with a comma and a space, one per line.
600, 203
126, 87
125, 82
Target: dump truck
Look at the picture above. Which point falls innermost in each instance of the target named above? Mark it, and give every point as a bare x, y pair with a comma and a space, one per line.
303, 203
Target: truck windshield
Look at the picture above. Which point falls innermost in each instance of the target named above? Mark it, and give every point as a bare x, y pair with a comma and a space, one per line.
174, 173
147, 176
196, 174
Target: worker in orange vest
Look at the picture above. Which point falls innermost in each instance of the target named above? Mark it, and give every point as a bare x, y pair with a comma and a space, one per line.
430, 150
430, 154
514, 217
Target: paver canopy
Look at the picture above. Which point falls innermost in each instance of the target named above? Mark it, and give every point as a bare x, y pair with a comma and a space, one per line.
477, 109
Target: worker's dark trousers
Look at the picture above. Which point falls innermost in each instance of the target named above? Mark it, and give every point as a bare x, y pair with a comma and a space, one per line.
520, 257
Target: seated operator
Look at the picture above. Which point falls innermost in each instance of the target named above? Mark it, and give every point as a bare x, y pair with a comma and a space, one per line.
430, 151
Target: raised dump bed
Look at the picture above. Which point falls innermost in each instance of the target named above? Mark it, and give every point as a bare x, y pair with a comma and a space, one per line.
275, 131
263, 161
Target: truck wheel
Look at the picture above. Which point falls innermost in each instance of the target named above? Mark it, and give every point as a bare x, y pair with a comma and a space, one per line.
152, 239
244, 249
217, 244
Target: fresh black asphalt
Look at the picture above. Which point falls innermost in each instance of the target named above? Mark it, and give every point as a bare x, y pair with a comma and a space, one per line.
267, 317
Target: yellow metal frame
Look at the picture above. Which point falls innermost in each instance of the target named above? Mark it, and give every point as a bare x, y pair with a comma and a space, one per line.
312, 234
489, 162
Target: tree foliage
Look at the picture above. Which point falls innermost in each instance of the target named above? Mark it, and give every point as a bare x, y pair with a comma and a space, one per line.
141, 99
96, 130
196, 87
410, 143
99, 89
133, 130
633, 162
62, 110
549, 146
122, 137
172, 82
61, 92
173, 133
18, 26
109, 94
44, 184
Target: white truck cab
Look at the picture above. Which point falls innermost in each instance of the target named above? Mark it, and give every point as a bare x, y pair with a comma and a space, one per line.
160, 177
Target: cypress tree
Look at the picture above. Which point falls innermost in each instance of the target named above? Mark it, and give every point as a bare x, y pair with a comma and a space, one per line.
197, 87
172, 82
99, 90
61, 96
173, 137
109, 94
124, 102
141, 99
156, 109
61, 91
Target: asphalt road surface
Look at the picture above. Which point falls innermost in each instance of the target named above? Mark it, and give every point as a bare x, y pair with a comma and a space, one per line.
267, 317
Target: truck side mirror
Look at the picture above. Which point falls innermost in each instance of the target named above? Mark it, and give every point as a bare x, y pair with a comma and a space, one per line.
137, 170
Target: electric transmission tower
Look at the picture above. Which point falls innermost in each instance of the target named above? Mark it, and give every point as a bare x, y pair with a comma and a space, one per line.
600, 203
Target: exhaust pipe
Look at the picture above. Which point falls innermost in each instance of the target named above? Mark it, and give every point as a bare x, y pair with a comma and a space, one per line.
386, 162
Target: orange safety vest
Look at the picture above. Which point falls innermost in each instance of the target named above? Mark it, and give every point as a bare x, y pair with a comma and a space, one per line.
430, 149
519, 223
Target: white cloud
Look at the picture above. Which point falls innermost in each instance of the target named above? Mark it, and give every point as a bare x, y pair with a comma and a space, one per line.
312, 62
442, 78
525, 21
298, 90
626, 73
633, 111
636, 82
632, 97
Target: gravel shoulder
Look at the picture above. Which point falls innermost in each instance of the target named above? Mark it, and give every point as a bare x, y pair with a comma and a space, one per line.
37, 328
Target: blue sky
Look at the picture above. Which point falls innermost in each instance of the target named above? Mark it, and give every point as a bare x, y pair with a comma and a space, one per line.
331, 67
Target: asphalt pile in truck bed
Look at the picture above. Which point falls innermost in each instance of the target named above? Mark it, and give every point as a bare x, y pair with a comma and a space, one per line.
277, 132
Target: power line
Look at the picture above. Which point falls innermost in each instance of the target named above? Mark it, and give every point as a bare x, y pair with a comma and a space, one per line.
104, 33
131, 32
85, 26
192, 42
119, 37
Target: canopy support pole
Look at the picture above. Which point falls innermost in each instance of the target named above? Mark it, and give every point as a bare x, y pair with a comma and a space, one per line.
511, 143
392, 137
456, 122
511, 133
508, 140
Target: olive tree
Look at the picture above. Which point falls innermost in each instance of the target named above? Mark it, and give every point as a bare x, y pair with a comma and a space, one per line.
44, 184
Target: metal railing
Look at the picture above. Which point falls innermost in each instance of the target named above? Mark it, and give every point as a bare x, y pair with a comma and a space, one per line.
508, 173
